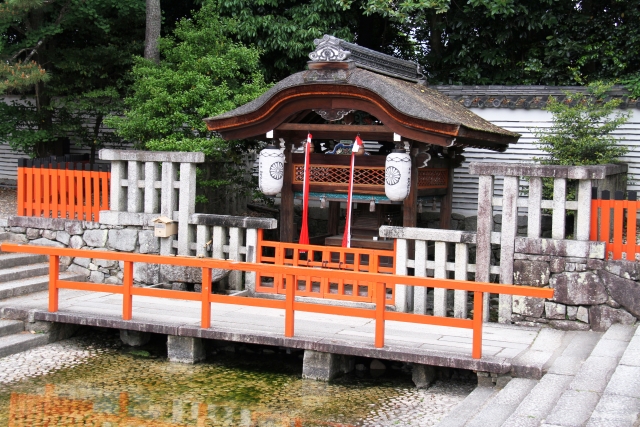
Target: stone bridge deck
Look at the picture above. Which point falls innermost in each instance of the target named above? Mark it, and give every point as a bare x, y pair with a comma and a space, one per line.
520, 351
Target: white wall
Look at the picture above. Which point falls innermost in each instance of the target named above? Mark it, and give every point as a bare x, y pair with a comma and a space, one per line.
525, 122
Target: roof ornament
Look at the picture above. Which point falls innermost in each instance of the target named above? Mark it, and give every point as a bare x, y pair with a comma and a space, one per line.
328, 50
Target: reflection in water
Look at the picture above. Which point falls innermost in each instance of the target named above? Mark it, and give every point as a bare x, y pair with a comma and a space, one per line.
256, 388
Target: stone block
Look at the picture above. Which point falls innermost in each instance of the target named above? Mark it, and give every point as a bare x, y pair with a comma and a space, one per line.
105, 263
423, 375
93, 267
527, 306
56, 331
76, 242
572, 312
559, 247
530, 273
13, 237
48, 234
74, 228
75, 268
582, 314
601, 317
555, 311
23, 222
96, 277
95, 238
63, 237
123, 240
185, 349
46, 242
83, 262
113, 280
146, 273
595, 264
149, 244
176, 273
625, 269
557, 265
325, 366
625, 292
20, 230
568, 325
65, 261
32, 233
578, 288
471, 223
134, 338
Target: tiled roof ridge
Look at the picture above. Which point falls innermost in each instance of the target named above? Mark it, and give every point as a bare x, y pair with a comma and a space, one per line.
523, 96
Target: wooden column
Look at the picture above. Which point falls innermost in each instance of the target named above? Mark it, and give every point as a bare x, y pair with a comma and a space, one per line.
287, 229
410, 206
334, 218
446, 203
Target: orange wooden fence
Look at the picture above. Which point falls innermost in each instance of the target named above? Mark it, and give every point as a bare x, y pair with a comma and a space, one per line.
62, 189
290, 275
615, 223
324, 257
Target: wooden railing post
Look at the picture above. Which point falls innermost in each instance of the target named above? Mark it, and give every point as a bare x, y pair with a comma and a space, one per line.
476, 352
127, 298
289, 314
380, 308
206, 304
54, 270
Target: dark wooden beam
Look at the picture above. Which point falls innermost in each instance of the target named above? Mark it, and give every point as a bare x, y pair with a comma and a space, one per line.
334, 218
287, 229
446, 203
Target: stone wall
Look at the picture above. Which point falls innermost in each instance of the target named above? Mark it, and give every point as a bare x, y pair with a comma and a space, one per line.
590, 292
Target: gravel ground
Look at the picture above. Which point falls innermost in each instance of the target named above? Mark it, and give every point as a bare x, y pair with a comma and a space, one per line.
8, 204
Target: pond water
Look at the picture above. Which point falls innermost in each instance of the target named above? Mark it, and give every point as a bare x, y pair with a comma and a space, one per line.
93, 380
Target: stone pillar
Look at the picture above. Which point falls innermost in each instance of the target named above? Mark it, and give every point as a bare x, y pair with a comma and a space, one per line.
134, 338
185, 349
423, 375
325, 366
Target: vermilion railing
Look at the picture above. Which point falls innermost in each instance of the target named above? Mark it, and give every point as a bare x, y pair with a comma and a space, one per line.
324, 257
615, 223
62, 189
289, 304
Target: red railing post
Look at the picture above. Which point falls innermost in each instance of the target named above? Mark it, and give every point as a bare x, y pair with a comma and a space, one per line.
380, 308
21, 194
127, 298
618, 219
28, 203
205, 318
54, 270
289, 314
476, 353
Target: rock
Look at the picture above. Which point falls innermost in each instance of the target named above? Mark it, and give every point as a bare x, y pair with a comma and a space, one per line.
96, 277
377, 365
76, 242
46, 242
423, 375
612, 303
557, 265
625, 292
568, 325
134, 338
32, 233
48, 234
149, 244
528, 306
602, 317
146, 273
572, 312
75, 268
530, 273
95, 238
625, 269
123, 240
13, 237
65, 261
177, 286
555, 311
105, 263
471, 223
176, 273
595, 264
582, 314
113, 280
93, 267
63, 237
578, 288
360, 367
83, 262
20, 230
73, 227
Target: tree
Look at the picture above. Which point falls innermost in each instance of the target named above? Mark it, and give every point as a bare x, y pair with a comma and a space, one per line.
86, 48
201, 73
152, 33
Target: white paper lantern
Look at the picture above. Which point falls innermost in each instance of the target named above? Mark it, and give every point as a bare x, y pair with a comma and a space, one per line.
397, 175
271, 170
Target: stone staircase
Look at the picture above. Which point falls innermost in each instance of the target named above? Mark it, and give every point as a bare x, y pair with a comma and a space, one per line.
592, 381
22, 274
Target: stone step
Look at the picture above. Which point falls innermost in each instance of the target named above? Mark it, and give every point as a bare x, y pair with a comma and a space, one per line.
619, 404
8, 260
543, 397
17, 343
469, 407
23, 272
30, 285
503, 403
576, 404
10, 327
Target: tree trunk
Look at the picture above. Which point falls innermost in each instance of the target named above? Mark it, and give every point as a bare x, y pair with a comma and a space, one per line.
152, 34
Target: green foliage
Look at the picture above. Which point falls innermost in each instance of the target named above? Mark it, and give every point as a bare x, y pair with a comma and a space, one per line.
582, 130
